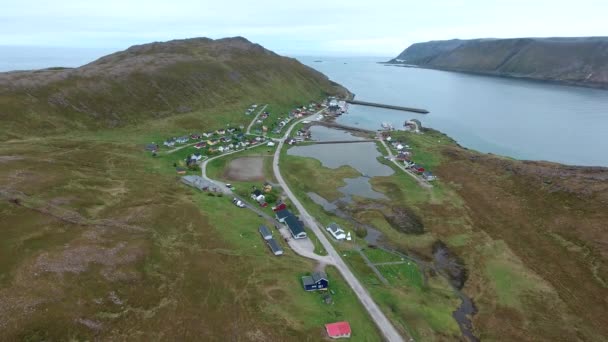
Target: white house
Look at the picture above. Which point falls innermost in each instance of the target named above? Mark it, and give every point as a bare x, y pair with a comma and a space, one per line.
270, 144
337, 232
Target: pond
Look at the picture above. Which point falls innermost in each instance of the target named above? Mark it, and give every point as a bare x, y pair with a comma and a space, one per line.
359, 156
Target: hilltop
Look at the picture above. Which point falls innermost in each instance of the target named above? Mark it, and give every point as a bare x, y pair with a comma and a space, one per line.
577, 61
152, 81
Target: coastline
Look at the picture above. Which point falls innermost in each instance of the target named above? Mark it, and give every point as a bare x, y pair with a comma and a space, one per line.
600, 86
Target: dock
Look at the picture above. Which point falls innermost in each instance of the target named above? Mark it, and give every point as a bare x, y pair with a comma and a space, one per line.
340, 141
387, 106
332, 124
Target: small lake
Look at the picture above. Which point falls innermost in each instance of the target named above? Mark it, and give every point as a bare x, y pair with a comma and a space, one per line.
359, 156
516, 118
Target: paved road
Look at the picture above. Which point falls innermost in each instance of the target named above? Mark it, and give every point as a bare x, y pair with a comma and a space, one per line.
254, 119
303, 248
420, 181
384, 325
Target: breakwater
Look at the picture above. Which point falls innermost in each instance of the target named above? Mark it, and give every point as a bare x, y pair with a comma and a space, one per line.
381, 105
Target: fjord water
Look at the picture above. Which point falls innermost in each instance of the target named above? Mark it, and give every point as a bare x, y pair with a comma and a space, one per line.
516, 118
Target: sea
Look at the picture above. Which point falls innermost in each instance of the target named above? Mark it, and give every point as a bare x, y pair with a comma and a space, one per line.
517, 118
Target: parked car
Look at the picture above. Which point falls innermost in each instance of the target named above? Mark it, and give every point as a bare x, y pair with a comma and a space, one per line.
229, 186
238, 203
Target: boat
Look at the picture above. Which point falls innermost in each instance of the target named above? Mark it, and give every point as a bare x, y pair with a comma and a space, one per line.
387, 126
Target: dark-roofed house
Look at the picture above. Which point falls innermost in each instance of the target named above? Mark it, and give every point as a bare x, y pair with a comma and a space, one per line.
295, 227
283, 214
266, 233
274, 247
316, 281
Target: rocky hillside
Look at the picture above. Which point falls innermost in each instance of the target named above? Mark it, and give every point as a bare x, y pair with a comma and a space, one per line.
578, 61
151, 81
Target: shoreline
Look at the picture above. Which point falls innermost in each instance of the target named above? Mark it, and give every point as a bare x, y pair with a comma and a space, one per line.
600, 86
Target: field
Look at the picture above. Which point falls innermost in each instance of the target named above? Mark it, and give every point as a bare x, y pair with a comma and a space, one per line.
103, 238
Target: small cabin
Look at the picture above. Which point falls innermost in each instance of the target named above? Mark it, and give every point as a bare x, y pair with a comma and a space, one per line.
265, 232
316, 281
274, 247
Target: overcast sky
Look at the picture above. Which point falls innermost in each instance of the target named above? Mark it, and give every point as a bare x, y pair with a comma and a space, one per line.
314, 27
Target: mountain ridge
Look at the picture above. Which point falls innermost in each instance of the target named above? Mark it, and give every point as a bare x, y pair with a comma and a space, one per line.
581, 61
151, 81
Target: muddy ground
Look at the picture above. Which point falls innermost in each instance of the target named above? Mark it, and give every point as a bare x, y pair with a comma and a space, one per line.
245, 169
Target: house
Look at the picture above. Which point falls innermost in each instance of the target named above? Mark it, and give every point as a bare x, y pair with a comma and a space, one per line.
200, 145
417, 168
221, 131
270, 144
169, 142
267, 187
427, 175
337, 232
221, 149
274, 247
195, 136
207, 134
338, 330
182, 140
258, 138
196, 156
231, 130
316, 281
211, 142
199, 183
265, 232
403, 156
282, 214
279, 207
258, 196
296, 228
290, 141
180, 170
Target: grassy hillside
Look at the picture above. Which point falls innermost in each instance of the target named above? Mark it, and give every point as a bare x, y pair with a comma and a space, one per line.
152, 81
101, 241
531, 236
582, 61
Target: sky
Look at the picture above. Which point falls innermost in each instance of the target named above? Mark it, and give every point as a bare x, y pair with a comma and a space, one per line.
314, 27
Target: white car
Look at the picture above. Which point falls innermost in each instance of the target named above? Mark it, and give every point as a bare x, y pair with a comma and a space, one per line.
238, 203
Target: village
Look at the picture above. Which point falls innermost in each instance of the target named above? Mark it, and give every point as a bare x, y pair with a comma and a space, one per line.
267, 199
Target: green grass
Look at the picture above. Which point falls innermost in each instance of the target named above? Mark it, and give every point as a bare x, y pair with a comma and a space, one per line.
406, 274
376, 255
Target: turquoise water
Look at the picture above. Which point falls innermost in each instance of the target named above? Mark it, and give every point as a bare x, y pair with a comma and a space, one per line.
516, 118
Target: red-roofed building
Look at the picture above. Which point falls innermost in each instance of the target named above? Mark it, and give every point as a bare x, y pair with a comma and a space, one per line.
338, 330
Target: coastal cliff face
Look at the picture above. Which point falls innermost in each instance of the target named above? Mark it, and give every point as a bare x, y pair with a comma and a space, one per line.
577, 61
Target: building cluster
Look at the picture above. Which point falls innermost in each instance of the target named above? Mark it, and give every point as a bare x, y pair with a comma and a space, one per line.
276, 127
405, 155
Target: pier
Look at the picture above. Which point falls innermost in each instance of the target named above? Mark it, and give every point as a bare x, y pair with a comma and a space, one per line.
332, 124
381, 105
340, 141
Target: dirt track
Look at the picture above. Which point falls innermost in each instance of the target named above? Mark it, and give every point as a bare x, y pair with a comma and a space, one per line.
245, 169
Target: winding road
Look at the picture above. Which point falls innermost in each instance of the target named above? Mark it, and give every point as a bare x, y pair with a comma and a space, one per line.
254, 119
384, 325
333, 258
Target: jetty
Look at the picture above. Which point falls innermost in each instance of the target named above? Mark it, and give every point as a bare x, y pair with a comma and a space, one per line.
381, 105
340, 141
332, 124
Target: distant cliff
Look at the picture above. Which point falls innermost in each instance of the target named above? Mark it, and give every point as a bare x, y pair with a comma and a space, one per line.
578, 61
